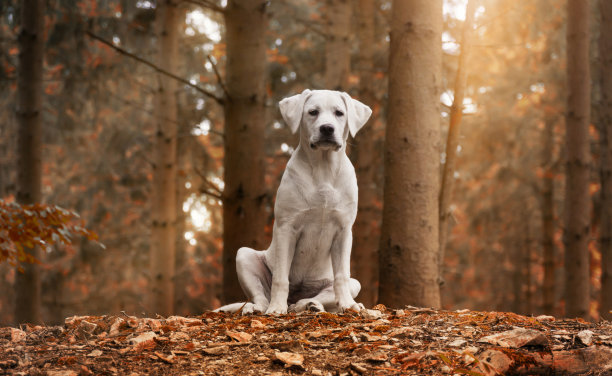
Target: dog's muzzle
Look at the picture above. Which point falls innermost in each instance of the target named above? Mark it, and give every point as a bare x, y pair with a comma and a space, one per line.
326, 139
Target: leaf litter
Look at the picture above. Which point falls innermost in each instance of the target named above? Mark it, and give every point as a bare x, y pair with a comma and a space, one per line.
409, 341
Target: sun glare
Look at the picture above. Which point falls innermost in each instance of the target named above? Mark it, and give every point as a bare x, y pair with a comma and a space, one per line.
198, 22
454, 9
199, 216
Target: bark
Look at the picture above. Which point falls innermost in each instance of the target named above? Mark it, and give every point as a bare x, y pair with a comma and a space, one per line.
366, 230
410, 238
517, 286
527, 295
163, 204
456, 114
29, 144
337, 49
605, 170
244, 197
548, 219
577, 200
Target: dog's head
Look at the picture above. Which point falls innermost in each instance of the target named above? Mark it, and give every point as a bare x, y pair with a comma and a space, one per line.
325, 117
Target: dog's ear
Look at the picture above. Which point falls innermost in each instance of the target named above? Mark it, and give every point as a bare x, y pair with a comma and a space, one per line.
291, 109
357, 113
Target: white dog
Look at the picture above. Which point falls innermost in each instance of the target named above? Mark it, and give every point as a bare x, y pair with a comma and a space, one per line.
307, 266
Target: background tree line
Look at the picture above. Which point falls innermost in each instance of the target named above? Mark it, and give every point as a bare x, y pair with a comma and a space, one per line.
157, 122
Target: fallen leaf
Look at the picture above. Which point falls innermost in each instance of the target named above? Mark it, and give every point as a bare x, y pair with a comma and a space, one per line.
115, 326
289, 358
144, 337
94, 354
377, 356
179, 336
585, 337
370, 314
457, 343
217, 350
168, 359
370, 338
86, 327
257, 324
242, 337
516, 338
17, 335
318, 333
545, 318
62, 372
359, 368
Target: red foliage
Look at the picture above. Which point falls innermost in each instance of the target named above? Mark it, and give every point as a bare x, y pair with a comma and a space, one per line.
28, 226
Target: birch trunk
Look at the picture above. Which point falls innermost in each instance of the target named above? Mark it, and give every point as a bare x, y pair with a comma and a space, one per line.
410, 234
29, 145
244, 196
577, 199
164, 207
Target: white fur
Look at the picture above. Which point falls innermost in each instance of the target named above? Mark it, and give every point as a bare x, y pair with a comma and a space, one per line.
308, 262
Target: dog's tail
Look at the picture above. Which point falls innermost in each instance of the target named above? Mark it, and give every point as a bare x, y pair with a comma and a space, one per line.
230, 308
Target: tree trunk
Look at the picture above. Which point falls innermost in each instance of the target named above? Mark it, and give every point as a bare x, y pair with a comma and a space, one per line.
337, 48
163, 204
410, 238
456, 114
366, 228
245, 194
29, 144
577, 200
605, 52
527, 295
548, 218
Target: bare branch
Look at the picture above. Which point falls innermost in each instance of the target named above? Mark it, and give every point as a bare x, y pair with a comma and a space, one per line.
207, 93
218, 75
211, 194
208, 183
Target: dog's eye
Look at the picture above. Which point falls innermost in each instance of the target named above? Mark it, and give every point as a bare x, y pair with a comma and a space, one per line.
339, 113
313, 112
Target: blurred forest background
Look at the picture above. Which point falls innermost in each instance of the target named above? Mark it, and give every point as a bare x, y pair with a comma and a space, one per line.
141, 108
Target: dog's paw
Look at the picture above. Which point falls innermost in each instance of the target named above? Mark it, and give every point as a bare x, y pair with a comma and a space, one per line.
276, 309
342, 307
311, 305
250, 308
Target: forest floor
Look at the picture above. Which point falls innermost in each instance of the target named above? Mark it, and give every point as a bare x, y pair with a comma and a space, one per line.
410, 341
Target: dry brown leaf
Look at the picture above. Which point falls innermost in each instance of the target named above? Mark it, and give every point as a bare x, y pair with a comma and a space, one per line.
257, 324
290, 359
377, 356
217, 350
242, 337
94, 354
516, 338
168, 359
17, 335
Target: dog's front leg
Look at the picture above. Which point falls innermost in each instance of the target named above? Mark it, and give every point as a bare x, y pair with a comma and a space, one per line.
281, 256
341, 264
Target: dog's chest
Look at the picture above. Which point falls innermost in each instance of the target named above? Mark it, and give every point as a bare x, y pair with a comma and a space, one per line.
325, 203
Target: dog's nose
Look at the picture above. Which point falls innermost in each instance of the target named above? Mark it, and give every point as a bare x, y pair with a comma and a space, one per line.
326, 130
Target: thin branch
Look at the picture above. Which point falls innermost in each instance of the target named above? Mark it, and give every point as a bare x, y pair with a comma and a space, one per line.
207, 93
207, 182
219, 79
211, 194
207, 4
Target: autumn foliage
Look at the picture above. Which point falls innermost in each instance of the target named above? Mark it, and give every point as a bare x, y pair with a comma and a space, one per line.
38, 225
